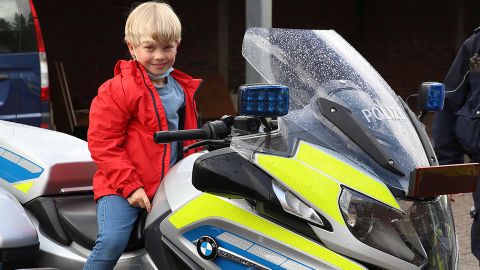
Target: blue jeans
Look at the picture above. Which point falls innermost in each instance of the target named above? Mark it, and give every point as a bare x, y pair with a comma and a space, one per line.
116, 218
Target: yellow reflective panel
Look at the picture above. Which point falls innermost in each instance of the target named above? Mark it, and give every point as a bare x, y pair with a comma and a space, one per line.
318, 189
345, 174
209, 206
24, 187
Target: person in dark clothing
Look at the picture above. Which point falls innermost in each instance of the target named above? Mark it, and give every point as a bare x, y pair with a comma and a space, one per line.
456, 129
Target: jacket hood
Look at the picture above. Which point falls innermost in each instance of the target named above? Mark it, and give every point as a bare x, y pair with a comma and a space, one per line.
125, 66
133, 68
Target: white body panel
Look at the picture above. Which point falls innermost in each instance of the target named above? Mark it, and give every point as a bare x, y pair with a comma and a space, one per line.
178, 182
16, 229
37, 150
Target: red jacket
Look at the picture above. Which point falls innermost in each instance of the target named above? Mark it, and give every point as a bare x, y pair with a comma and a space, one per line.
123, 117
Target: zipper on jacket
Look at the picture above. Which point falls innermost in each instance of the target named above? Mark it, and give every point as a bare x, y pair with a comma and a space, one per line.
193, 101
158, 119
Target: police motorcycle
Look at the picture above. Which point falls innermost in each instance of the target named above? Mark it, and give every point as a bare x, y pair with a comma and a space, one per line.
324, 168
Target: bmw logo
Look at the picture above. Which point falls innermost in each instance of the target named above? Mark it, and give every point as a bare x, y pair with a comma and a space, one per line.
207, 247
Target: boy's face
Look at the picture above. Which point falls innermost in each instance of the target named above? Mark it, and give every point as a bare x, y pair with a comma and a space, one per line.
155, 56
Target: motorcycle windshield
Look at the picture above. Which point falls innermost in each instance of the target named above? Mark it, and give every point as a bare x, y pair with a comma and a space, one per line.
320, 64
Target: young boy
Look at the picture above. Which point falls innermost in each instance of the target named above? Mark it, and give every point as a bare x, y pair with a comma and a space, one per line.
145, 95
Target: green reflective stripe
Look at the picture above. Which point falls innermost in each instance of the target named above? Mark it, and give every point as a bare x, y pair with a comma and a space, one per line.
209, 206
345, 174
316, 188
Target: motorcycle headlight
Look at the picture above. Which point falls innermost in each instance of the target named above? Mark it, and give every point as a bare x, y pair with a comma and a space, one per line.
381, 227
433, 222
293, 205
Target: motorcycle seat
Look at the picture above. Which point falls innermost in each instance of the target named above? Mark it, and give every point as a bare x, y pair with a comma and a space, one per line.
78, 217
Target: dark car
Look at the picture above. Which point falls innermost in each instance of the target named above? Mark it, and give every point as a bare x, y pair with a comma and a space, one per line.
24, 86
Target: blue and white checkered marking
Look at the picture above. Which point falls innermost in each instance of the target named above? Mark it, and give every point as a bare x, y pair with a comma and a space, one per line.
206, 249
15, 168
243, 247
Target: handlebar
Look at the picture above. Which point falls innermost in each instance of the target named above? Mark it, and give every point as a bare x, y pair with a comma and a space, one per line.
213, 130
179, 135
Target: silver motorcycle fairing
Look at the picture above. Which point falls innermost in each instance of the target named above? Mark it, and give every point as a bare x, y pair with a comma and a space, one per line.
178, 182
16, 229
175, 189
277, 251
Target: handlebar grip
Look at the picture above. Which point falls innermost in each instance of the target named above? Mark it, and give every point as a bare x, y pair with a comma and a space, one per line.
179, 135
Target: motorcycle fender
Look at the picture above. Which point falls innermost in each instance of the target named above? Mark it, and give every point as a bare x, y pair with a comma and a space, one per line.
18, 236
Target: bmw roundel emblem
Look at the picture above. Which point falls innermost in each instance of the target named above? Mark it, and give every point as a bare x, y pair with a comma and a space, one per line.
207, 247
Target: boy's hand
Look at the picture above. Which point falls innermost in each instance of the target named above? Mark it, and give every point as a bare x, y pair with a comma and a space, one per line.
475, 63
139, 199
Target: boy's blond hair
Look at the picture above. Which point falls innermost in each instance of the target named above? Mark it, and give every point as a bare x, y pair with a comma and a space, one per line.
152, 21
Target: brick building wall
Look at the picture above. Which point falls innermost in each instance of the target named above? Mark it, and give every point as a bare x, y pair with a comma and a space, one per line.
407, 42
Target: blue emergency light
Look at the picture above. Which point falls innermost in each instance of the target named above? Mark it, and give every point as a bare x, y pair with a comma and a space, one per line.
265, 100
431, 96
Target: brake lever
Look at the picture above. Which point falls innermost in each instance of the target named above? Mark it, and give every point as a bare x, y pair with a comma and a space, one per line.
223, 143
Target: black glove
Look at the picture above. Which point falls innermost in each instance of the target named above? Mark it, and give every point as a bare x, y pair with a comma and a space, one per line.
474, 63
